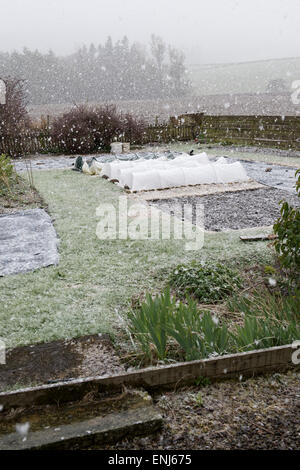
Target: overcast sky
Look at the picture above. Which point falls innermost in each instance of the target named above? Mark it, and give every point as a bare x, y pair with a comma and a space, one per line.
208, 31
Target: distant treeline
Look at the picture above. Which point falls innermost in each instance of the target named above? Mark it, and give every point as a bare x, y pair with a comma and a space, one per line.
120, 71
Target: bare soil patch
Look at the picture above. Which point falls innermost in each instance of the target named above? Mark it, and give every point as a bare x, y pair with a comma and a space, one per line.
259, 413
59, 360
19, 196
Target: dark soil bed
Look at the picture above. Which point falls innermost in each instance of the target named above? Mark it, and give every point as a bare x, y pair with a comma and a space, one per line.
58, 360
236, 210
259, 413
19, 196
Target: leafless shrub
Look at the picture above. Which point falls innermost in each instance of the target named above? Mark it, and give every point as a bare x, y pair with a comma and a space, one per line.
14, 117
86, 130
134, 129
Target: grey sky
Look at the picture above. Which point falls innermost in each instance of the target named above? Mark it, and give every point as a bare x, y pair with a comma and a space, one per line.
207, 30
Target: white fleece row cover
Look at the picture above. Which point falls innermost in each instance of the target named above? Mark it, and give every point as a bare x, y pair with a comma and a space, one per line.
184, 170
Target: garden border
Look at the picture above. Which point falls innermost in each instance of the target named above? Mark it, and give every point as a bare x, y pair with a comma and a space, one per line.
246, 364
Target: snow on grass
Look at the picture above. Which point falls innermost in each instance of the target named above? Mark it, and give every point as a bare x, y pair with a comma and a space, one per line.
95, 279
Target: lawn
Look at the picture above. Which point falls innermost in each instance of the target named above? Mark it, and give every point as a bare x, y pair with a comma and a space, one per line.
93, 284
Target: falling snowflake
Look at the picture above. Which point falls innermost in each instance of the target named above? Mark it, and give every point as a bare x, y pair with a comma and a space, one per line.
22, 429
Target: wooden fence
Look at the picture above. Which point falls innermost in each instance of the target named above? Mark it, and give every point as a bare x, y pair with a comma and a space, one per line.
28, 144
265, 131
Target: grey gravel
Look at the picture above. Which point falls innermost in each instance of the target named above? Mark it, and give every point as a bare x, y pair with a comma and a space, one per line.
260, 150
276, 176
43, 163
27, 241
60, 162
236, 210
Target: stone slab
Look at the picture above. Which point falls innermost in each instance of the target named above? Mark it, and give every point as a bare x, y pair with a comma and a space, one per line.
78, 435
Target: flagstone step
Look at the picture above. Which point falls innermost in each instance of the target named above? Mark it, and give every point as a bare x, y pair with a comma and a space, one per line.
74, 426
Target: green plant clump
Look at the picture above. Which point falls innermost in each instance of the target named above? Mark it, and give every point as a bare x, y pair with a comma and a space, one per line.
287, 229
149, 323
268, 321
161, 320
6, 171
198, 333
208, 284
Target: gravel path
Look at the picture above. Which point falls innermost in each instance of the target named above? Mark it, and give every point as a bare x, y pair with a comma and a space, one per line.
236, 210
258, 150
42, 162
276, 176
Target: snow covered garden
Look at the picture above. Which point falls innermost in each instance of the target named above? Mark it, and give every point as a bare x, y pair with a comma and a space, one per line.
159, 303
158, 256
149, 228
85, 293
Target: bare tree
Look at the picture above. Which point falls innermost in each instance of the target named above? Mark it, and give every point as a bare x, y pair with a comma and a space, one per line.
13, 115
158, 49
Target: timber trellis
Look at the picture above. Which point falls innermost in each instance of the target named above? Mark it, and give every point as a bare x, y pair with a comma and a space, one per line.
266, 131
